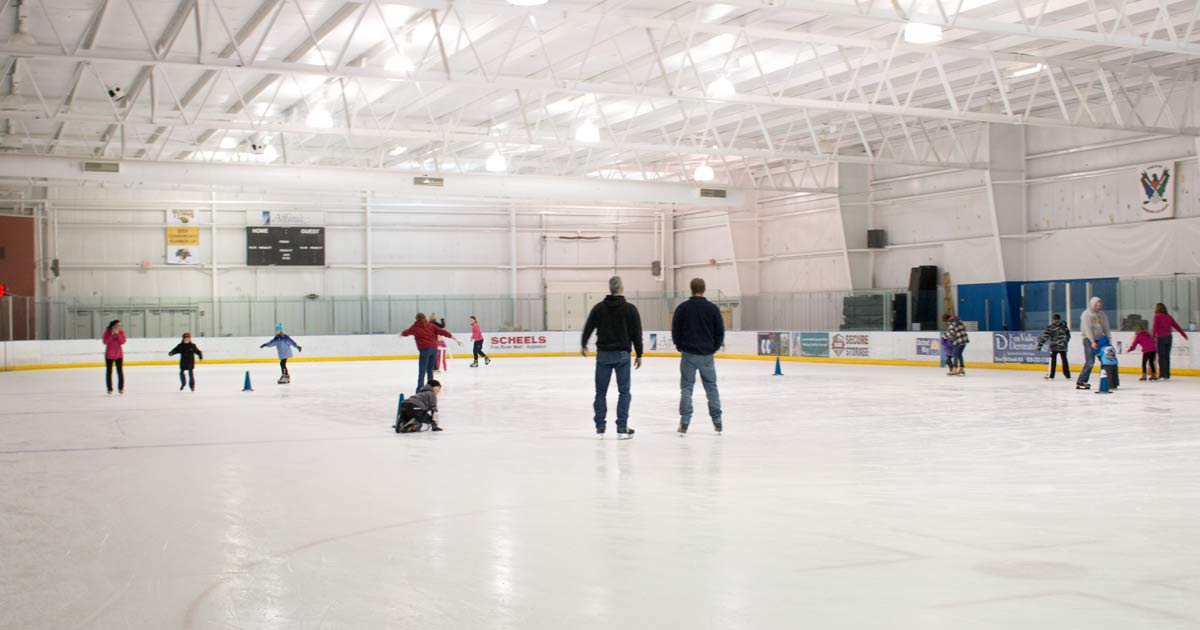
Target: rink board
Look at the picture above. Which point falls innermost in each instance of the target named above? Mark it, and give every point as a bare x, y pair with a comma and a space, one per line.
870, 348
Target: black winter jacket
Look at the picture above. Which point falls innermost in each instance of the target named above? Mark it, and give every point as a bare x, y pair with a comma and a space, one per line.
1058, 335
187, 355
617, 326
697, 327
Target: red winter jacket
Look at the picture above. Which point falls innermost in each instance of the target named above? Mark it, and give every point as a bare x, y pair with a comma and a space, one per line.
113, 343
425, 334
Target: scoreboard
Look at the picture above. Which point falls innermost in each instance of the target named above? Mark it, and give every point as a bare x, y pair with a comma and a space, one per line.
299, 246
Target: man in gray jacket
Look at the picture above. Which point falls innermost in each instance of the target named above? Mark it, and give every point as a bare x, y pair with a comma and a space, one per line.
1093, 325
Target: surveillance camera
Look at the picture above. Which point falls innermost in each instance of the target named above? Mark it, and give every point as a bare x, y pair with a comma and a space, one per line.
259, 143
115, 92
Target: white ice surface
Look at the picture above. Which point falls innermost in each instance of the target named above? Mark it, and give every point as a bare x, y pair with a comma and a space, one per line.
839, 497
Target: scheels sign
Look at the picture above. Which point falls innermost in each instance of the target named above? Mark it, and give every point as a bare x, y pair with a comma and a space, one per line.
519, 341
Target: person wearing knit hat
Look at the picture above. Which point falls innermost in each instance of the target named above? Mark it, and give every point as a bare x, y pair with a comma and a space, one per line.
283, 345
1093, 325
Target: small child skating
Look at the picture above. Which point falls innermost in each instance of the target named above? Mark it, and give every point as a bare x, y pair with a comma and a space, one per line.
283, 344
957, 331
1106, 354
441, 364
948, 353
1149, 347
1058, 336
420, 408
188, 353
477, 343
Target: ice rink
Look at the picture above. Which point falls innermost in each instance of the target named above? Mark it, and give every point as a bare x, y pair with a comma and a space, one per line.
839, 497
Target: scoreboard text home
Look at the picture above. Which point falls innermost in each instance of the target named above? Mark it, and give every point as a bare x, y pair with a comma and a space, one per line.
301, 246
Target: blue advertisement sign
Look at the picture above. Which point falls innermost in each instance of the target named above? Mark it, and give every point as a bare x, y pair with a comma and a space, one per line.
929, 346
1018, 347
810, 344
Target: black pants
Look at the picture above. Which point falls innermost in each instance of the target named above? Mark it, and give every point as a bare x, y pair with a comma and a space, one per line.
409, 412
478, 350
1066, 367
108, 370
189, 379
1114, 375
1148, 358
283, 366
1164, 361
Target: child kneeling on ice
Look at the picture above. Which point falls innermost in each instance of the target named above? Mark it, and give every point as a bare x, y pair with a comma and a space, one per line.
420, 408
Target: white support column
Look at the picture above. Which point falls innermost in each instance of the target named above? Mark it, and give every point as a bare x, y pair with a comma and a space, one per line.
1005, 183
370, 261
212, 242
512, 272
854, 191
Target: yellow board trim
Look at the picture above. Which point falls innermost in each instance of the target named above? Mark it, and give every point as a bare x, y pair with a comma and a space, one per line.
520, 355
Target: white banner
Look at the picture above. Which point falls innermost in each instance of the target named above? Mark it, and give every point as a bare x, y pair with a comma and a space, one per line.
1157, 185
280, 217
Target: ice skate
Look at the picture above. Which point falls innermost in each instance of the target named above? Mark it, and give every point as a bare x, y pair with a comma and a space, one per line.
1143, 378
625, 434
435, 427
284, 380
487, 360
474, 364
682, 430
718, 426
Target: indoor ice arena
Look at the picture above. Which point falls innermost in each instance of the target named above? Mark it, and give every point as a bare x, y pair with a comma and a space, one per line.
602, 314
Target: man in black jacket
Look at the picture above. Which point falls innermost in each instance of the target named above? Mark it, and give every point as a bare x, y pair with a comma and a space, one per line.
698, 332
617, 326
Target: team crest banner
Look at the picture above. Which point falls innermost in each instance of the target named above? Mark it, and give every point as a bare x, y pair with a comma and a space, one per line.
1156, 183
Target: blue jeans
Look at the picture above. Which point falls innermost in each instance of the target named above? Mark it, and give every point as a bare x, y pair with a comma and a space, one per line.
606, 363
1089, 360
689, 364
425, 365
958, 358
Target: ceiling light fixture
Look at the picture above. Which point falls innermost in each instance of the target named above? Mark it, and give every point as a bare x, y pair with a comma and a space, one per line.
397, 151
319, 117
1028, 70
704, 173
722, 87
229, 142
399, 63
587, 132
922, 33
496, 163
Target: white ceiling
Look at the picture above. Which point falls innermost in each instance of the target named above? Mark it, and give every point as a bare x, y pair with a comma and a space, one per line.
816, 82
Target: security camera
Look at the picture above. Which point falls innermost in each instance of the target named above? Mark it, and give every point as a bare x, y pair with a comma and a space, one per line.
259, 144
115, 92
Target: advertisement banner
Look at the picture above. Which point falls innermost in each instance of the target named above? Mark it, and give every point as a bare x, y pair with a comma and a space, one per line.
660, 342
1157, 187
768, 344
1018, 347
531, 342
855, 345
181, 217
810, 344
183, 246
929, 346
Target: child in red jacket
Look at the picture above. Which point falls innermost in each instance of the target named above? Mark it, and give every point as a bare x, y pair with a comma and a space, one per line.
1149, 351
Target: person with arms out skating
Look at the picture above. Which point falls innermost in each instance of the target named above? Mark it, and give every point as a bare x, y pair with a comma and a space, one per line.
426, 334
1057, 338
1093, 325
617, 325
477, 344
698, 331
188, 353
114, 355
420, 408
1149, 346
283, 345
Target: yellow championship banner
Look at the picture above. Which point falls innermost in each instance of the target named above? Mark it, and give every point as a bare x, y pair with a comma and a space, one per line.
183, 246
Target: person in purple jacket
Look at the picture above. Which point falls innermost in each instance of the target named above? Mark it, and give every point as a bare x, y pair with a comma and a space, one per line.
114, 338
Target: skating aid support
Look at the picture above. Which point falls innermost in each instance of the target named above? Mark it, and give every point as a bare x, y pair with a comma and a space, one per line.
1103, 382
778, 367
246, 387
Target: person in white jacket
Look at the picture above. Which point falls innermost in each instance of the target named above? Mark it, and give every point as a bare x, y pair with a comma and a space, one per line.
1093, 325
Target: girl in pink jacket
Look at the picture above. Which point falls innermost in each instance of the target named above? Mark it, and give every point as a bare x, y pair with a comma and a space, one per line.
1149, 351
477, 338
114, 338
